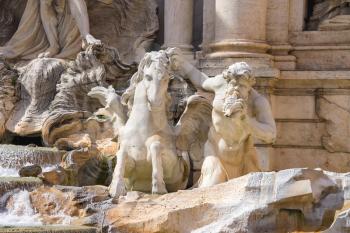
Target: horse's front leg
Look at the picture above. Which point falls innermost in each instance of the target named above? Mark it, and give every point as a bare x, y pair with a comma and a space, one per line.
158, 185
117, 187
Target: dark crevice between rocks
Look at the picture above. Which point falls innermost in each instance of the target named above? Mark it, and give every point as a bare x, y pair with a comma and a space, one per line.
27, 141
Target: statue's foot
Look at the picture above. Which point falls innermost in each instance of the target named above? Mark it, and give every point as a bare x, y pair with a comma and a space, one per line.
50, 52
159, 188
117, 189
91, 40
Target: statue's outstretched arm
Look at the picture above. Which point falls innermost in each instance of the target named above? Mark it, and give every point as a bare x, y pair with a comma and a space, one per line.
188, 71
79, 11
194, 75
263, 126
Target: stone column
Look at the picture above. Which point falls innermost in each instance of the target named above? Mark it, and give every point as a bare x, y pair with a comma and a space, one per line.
297, 15
240, 28
208, 24
278, 34
178, 24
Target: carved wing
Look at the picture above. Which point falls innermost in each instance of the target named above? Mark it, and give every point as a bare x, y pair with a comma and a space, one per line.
109, 99
193, 127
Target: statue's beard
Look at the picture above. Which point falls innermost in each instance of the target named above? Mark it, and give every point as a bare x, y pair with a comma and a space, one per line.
233, 101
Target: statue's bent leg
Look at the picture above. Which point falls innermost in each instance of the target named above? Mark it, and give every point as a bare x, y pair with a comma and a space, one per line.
212, 173
117, 187
158, 185
49, 21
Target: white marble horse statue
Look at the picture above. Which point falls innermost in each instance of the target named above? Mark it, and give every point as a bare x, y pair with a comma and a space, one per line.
154, 156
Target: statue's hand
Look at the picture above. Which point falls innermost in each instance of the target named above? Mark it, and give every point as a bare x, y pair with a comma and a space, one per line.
175, 58
233, 105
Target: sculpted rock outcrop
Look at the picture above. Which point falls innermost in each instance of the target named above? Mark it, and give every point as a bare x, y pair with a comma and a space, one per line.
53, 97
52, 90
70, 109
285, 201
37, 82
8, 97
69, 205
293, 200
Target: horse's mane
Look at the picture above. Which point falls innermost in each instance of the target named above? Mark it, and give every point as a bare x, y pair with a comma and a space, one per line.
161, 57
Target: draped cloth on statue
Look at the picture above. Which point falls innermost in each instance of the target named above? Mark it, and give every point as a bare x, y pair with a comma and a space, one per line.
30, 38
330, 15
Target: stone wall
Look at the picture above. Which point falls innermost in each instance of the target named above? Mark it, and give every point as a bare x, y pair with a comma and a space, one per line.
304, 72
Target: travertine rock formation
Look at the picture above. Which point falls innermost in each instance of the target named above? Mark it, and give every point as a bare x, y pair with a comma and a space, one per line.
294, 200
8, 96
70, 205
53, 97
285, 201
37, 82
71, 106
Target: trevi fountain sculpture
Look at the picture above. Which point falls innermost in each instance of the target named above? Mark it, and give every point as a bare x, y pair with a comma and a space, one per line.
173, 116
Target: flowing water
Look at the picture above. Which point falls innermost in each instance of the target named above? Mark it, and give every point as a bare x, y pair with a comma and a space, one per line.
18, 215
14, 157
16, 211
19, 211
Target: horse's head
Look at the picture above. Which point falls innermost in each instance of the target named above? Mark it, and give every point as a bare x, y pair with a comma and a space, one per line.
156, 78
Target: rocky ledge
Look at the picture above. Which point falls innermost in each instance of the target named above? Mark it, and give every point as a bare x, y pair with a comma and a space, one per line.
294, 200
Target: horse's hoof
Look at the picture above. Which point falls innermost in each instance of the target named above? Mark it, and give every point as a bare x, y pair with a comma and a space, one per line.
159, 189
117, 190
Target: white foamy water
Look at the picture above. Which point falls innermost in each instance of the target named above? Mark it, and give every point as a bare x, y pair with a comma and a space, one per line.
20, 212
8, 172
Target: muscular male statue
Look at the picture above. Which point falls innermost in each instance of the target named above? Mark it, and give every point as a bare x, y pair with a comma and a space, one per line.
230, 141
